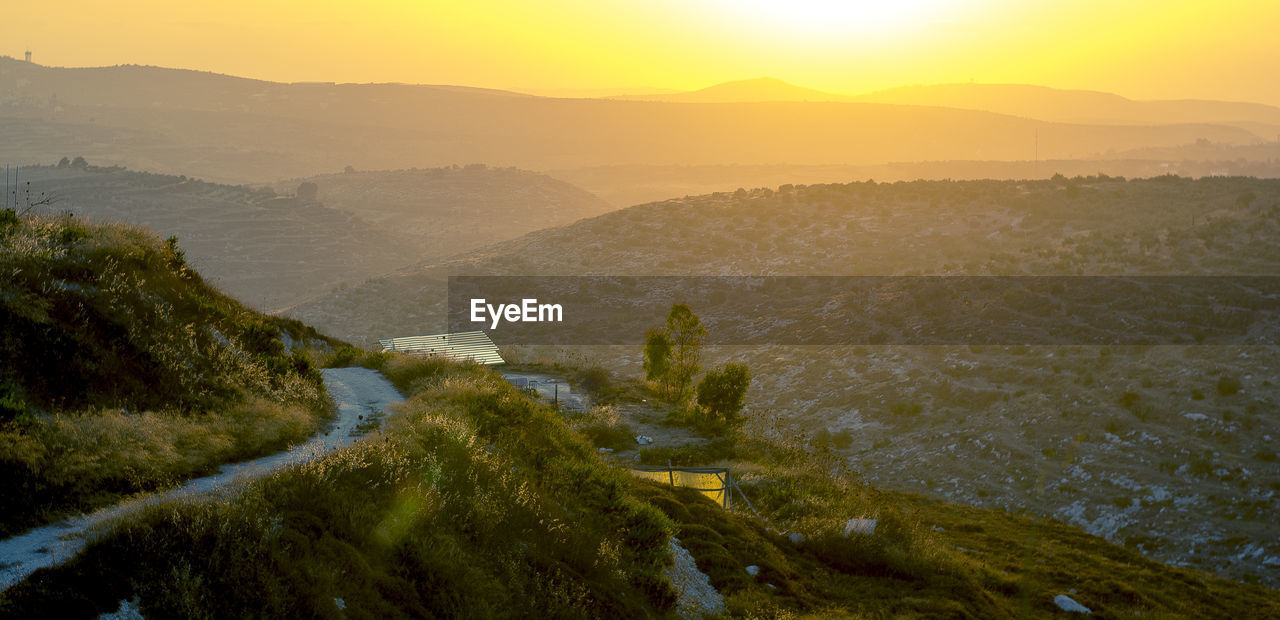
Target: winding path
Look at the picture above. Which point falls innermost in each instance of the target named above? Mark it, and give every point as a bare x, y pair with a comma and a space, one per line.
357, 392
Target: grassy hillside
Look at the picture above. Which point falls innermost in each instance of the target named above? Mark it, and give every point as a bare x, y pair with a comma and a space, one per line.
121, 370
477, 501
1135, 444
474, 501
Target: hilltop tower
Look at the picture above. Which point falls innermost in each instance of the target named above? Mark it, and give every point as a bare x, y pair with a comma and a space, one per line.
28, 55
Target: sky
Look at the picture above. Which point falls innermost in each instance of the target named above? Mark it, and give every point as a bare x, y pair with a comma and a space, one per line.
1143, 49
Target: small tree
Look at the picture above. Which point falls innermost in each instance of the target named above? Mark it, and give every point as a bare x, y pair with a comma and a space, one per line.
686, 333
721, 392
657, 356
671, 353
64, 163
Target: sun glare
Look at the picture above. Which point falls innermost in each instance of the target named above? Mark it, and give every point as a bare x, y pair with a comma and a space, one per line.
843, 17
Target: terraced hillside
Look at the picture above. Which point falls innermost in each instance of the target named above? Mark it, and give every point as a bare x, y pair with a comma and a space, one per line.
270, 250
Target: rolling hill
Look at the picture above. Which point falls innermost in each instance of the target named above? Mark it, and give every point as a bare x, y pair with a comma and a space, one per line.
1046, 430
274, 249
270, 250
455, 209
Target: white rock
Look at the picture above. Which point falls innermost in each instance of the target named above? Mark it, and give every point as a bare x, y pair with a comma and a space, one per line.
696, 597
753, 570
606, 450
795, 538
1066, 603
128, 611
644, 440
860, 526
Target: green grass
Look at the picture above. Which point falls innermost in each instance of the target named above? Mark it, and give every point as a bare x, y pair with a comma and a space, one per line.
476, 501
122, 371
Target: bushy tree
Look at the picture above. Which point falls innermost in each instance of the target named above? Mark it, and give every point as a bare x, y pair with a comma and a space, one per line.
722, 391
307, 192
686, 333
657, 355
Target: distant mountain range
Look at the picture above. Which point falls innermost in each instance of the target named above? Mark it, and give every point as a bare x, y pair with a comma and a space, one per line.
1038, 102
238, 130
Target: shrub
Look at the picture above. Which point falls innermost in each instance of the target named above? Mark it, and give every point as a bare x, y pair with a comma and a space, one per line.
594, 380
722, 391
905, 408
1228, 386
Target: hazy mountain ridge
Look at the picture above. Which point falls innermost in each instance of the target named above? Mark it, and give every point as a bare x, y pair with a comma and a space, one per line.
254, 131
738, 91
1023, 100
1078, 106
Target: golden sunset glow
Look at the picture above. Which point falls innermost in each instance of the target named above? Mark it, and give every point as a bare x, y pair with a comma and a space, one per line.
836, 19
1139, 49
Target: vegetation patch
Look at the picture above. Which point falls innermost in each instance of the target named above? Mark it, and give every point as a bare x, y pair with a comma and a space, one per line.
122, 371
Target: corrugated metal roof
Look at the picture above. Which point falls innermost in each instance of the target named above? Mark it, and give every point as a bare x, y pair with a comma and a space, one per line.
460, 346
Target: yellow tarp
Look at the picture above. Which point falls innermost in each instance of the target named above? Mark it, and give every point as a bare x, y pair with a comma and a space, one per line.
712, 483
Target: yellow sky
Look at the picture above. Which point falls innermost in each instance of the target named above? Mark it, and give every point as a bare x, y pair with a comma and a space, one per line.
1138, 48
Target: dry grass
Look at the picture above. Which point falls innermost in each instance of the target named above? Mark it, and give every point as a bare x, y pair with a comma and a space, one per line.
72, 461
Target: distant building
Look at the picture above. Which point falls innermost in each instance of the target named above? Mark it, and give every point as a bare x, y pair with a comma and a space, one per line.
28, 55
458, 346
